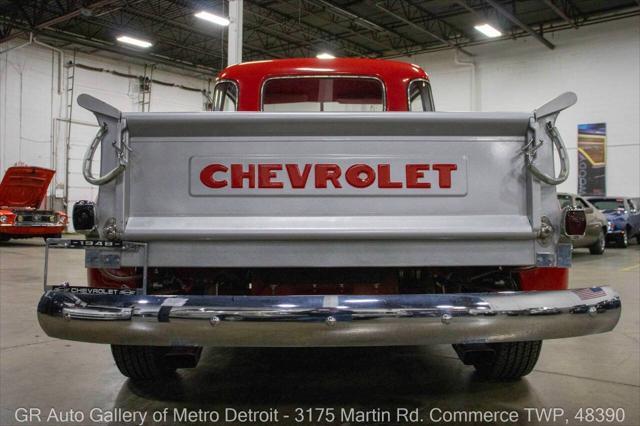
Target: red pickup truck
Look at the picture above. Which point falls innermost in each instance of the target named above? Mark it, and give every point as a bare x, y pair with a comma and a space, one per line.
325, 203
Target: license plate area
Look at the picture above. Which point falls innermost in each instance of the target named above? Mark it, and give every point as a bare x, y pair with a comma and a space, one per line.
98, 254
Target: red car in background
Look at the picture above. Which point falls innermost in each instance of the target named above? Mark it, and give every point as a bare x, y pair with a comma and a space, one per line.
21, 193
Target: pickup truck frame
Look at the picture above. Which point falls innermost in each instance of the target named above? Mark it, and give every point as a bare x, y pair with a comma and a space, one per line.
344, 228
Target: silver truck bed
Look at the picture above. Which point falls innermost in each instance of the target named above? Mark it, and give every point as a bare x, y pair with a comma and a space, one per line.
489, 215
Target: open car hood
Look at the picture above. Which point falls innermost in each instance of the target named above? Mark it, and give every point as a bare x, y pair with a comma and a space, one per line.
24, 186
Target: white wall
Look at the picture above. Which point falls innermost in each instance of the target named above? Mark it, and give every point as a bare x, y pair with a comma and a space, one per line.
30, 104
600, 63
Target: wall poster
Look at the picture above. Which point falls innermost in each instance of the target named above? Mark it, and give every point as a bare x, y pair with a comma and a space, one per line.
592, 140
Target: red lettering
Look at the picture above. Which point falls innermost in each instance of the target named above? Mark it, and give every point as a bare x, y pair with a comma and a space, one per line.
298, 179
357, 175
266, 173
206, 176
384, 177
327, 172
444, 174
415, 172
360, 175
238, 176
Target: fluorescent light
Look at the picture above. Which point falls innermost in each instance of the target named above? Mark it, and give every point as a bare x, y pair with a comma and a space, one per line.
134, 41
488, 30
325, 55
212, 18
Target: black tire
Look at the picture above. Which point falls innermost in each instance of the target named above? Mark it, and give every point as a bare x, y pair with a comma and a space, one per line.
599, 246
502, 361
623, 240
153, 362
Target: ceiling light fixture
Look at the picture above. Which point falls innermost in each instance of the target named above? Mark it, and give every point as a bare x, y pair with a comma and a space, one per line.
134, 41
213, 18
488, 30
325, 55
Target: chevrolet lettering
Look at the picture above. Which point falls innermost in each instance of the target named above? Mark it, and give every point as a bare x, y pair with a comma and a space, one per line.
333, 176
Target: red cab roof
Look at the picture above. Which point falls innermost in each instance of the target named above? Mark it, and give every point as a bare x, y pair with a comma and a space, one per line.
395, 75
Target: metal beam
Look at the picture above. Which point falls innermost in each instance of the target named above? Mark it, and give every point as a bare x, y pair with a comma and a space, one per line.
62, 18
504, 12
172, 23
346, 21
391, 33
428, 16
469, 9
56, 34
367, 29
161, 38
358, 20
566, 10
304, 33
303, 29
289, 42
560, 12
175, 24
422, 29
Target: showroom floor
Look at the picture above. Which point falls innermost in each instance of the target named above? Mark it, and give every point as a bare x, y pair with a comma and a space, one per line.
36, 371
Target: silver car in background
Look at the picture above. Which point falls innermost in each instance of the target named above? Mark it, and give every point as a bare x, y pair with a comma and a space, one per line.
595, 236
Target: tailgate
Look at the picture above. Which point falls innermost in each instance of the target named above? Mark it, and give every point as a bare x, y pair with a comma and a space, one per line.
325, 189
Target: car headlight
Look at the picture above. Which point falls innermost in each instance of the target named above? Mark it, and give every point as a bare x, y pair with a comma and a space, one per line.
4, 218
609, 226
20, 218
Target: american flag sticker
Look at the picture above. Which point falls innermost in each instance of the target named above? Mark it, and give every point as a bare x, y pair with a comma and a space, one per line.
590, 293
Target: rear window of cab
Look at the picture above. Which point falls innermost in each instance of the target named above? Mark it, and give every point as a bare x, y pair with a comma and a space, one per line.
317, 94
324, 94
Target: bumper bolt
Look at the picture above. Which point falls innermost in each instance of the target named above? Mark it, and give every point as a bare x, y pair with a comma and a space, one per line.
214, 321
331, 321
446, 318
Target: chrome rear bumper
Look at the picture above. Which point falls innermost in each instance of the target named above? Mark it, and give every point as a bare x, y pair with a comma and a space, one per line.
343, 320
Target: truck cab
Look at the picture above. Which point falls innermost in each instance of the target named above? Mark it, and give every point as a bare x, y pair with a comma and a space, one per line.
325, 203
327, 85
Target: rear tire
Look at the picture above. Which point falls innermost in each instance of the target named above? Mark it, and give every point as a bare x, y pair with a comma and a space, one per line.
153, 362
599, 246
501, 361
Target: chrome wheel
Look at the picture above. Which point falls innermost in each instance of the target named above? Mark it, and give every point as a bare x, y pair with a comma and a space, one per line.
599, 246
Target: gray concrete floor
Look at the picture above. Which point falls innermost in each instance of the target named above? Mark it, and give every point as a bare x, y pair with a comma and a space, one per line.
36, 371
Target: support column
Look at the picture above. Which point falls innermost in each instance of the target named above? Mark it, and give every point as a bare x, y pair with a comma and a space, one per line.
234, 49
